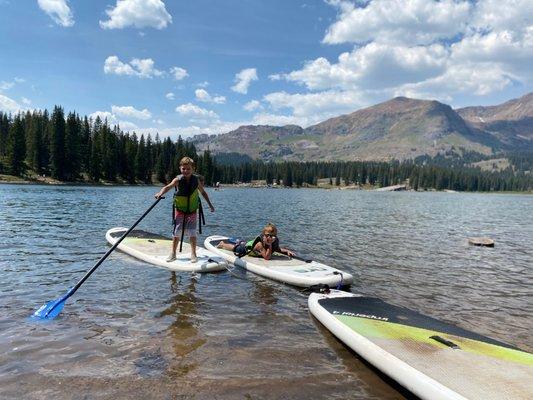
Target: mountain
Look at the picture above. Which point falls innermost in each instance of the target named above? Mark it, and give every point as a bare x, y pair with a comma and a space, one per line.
510, 122
400, 128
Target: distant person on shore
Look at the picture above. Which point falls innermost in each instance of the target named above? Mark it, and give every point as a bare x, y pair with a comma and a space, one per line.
187, 186
262, 246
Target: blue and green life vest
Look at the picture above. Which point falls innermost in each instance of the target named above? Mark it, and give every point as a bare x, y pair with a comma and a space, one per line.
186, 197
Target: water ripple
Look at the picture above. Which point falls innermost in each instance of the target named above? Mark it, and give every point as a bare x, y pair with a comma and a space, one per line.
137, 324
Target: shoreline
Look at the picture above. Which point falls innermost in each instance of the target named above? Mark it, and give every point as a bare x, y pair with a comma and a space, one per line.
15, 180
12, 180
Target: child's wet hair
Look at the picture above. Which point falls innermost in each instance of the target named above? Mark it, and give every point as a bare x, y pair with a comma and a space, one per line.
187, 161
270, 228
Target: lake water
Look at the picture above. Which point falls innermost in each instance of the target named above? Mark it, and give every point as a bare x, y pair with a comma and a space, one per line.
136, 331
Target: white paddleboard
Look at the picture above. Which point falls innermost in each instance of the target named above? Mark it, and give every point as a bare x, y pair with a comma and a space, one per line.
432, 359
281, 268
154, 249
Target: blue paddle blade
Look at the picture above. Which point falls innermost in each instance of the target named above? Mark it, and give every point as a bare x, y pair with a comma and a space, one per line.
49, 310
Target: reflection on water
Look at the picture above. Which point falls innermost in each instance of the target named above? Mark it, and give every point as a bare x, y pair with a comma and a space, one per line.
135, 331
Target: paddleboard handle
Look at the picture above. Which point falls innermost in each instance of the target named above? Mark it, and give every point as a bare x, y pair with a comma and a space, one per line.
445, 342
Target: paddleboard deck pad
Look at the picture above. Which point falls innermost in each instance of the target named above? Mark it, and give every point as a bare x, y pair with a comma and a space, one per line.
155, 249
430, 358
297, 272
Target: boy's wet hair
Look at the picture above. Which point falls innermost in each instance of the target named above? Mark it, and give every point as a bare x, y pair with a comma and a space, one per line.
187, 161
270, 227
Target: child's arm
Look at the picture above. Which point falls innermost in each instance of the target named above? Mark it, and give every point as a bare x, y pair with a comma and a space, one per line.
206, 197
166, 188
265, 251
287, 252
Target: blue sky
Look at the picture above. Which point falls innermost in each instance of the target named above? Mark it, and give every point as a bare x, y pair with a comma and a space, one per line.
189, 67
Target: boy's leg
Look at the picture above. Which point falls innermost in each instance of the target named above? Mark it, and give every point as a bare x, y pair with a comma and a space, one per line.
194, 258
172, 256
175, 242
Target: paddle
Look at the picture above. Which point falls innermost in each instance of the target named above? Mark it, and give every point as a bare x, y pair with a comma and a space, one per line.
52, 309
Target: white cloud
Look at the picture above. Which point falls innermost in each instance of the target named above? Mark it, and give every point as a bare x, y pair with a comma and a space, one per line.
127, 126
243, 80
145, 67
170, 96
513, 15
142, 68
9, 105
104, 115
204, 96
311, 108
189, 131
6, 85
193, 111
112, 120
137, 13
280, 120
179, 73
476, 78
58, 10
252, 105
132, 112
26, 101
203, 84
374, 65
421, 48
512, 52
410, 22
275, 77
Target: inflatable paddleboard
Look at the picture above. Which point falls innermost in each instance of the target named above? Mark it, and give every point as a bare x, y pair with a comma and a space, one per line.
154, 249
297, 272
432, 359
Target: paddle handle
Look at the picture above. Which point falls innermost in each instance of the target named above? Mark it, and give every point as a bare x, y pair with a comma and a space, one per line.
88, 274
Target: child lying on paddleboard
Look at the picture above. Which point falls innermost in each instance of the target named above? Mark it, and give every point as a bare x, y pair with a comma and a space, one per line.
262, 246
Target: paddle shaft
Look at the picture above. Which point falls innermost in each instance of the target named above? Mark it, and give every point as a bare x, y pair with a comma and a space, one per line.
88, 274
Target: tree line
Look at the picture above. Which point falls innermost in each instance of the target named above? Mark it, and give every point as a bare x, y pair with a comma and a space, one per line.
418, 176
71, 148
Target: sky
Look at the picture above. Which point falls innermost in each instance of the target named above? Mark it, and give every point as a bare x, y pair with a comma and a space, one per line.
181, 67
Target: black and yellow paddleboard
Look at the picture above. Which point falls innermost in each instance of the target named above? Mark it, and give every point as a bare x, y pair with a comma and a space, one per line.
430, 358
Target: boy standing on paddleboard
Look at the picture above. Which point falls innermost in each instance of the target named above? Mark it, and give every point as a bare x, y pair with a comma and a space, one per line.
186, 203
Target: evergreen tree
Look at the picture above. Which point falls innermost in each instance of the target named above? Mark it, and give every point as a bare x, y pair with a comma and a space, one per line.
33, 141
95, 159
141, 162
85, 144
56, 134
287, 177
160, 169
16, 147
4, 132
72, 165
